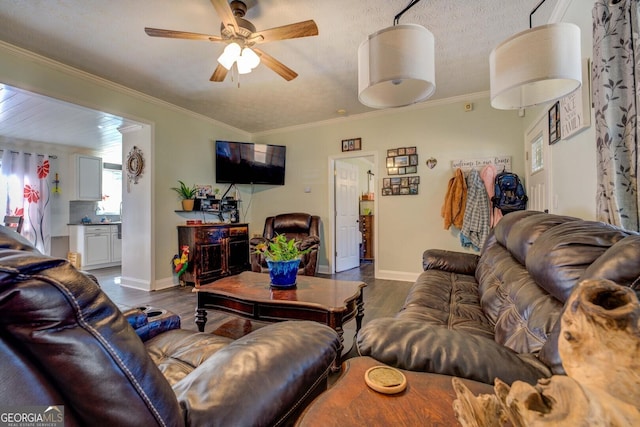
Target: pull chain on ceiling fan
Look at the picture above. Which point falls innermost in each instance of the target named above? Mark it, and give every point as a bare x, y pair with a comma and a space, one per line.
241, 36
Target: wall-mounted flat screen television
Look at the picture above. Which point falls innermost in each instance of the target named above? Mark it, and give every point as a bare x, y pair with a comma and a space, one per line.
248, 163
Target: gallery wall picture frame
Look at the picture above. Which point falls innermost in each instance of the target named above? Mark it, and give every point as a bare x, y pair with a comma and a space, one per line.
353, 144
554, 123
400, 186
402, 161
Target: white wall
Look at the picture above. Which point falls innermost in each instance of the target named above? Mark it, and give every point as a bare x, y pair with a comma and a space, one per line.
407, 225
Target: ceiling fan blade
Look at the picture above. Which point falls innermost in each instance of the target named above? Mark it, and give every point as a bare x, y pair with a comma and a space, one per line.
291, 31
219, 74
157, 32
225, 13
285, 72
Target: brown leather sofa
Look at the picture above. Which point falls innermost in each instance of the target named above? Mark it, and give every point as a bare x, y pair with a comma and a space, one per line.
497, 314
303, 227
64, 342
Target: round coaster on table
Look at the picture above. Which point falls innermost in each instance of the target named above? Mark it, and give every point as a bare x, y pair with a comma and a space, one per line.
385, 379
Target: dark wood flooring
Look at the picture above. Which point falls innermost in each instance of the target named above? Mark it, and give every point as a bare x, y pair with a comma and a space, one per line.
381, 297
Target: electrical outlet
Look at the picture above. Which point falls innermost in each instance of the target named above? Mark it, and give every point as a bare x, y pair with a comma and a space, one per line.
468, 106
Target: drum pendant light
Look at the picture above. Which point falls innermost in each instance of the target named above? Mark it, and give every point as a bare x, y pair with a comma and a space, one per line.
396, 65
536, 66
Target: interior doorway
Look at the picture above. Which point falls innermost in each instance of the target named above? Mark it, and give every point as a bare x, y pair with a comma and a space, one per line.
111, 139
347, 186
538, 166
350, 176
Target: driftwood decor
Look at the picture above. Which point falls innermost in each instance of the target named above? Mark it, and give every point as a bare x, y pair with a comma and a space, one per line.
599, 345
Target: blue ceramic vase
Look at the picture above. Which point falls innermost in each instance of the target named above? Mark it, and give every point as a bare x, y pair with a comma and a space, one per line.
283, 273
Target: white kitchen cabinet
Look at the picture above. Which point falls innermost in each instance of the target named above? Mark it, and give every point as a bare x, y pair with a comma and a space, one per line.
98, 245
86, 177
116, 245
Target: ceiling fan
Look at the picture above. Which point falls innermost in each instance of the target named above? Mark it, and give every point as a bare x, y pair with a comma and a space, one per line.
241, 36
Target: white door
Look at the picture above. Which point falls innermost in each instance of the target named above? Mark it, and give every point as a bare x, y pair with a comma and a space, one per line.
347, 230
538, 166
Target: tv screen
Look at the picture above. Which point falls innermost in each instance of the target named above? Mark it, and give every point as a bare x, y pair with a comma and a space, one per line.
248, 163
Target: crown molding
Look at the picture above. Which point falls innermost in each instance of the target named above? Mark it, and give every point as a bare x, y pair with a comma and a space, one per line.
378, 113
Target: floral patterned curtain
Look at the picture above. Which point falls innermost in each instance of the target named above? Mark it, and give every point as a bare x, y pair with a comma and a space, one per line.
25, 190
615, 74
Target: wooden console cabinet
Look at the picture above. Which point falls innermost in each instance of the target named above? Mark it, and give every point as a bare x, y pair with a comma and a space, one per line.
215, 251
366, 228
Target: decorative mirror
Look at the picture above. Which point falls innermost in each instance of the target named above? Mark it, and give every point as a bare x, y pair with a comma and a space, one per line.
135, 166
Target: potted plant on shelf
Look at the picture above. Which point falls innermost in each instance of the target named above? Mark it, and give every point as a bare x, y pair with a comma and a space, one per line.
187, 195
283, 258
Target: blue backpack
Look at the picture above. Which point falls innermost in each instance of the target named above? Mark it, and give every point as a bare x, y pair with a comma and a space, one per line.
509, 193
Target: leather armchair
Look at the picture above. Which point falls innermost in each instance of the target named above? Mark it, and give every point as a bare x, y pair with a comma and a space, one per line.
303, 227
64, 342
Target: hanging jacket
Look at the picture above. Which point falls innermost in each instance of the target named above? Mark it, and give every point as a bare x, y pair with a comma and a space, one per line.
455, 201
476, 223
488, 175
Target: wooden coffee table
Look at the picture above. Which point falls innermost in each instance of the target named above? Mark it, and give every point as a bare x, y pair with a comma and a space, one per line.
248, 294
427, 400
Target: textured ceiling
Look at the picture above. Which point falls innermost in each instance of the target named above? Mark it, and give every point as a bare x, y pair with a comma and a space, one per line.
107, 39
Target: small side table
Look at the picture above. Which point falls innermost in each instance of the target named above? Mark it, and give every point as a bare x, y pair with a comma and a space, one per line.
427, 400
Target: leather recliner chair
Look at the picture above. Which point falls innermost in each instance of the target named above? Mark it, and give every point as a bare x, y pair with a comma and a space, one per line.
303, 227
63, 342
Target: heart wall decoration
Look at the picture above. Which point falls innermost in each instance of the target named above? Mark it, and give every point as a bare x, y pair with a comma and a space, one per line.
432, 162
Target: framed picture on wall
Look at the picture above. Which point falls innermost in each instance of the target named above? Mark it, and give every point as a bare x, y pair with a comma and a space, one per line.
352, 144
400, 186
554, 123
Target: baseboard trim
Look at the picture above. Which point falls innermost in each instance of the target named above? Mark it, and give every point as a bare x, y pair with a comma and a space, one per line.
402, 276
323, 269
130, 282
166, 283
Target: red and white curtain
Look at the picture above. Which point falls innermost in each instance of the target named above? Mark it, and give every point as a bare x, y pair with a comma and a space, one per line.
25, 189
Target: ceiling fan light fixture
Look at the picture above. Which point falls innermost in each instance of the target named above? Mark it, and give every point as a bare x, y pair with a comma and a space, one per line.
230, 55
243, 65
253, 60
396, 66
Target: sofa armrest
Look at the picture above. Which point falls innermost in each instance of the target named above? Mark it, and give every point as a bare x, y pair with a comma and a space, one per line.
453, 262
136, 317
410, 344
261, 378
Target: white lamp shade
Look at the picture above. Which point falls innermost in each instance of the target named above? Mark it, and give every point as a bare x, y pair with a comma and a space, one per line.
230, 54
396, 67
253, 60
244, 66
536, 66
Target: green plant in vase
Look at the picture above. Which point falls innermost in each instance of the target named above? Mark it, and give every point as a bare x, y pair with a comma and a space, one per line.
283, 257
187, 195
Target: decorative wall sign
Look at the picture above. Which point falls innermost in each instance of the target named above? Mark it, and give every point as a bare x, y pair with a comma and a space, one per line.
575, 108
135, 166
502, 163
554, 123
399, 186
352, 144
